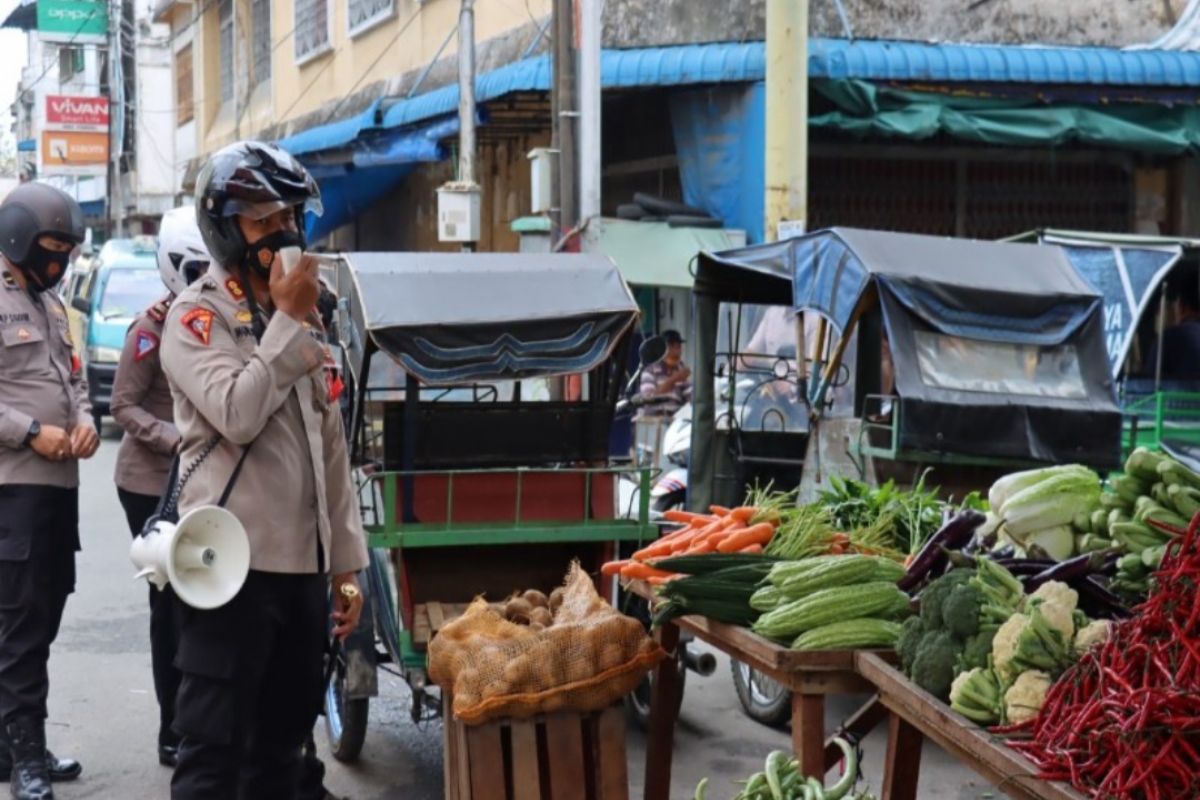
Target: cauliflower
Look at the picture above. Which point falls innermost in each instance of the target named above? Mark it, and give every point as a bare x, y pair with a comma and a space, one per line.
1004, 644
1092, 634
1058, 602
1025, 698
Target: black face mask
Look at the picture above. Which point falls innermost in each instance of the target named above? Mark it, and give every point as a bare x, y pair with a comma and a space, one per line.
261, 253
37, 267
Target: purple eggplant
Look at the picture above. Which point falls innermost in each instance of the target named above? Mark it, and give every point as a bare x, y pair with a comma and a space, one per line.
1071, 571
952, 536
1097, 601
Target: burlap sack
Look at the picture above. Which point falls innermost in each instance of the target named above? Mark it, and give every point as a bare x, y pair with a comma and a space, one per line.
590, 657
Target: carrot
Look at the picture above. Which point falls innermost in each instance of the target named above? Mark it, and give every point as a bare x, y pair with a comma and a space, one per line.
720, 511
752, 550
637, 570
755, 534
743, 513
660, 548
658, 580
678, 515
614, 567
700, 548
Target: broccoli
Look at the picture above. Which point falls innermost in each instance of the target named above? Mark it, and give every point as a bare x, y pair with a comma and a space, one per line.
978, 648
911, 633
933, 667
934, 597
960, 610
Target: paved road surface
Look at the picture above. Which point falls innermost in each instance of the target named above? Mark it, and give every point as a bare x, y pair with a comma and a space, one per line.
103, 709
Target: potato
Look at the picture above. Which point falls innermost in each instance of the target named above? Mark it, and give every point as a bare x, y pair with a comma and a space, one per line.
542, 616
518, 673
536, 599
556, 600
611, 655
496, 688
466, 700
518, 610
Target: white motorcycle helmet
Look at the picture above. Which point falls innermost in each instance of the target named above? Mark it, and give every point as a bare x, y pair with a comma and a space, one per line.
182, 256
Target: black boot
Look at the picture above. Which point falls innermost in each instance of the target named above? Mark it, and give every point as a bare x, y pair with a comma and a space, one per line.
30, 777
61, 769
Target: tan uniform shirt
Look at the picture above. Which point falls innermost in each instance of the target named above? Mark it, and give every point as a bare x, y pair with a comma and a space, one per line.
40, 378
142, 406
295, 495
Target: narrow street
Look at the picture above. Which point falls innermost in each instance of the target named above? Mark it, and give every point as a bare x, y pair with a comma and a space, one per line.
103, 710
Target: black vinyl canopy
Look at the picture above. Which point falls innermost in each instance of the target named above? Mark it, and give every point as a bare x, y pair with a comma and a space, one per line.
998, 348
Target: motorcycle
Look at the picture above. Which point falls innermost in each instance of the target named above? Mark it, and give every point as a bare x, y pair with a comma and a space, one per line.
669, 491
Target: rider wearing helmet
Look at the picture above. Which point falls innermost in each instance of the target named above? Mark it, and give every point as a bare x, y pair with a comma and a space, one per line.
142, 406
243, 349
45, 428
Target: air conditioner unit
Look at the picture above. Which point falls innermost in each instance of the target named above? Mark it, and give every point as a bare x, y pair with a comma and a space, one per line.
458, 212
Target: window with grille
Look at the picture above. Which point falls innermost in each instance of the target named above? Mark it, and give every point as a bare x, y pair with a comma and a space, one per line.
183, 86
312, 29
260, 19
70, 62
225, 16
362, 15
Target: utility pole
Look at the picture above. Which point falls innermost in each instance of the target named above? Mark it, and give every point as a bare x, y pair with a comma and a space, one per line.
590, 22
116, 117
786, 167
787, 118
466, 92
565, 114
459, 199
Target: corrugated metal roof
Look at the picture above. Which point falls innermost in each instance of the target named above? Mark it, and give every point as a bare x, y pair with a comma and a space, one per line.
333, 134
828, 58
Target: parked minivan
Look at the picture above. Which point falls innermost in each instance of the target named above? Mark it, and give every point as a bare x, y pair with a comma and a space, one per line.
123, 281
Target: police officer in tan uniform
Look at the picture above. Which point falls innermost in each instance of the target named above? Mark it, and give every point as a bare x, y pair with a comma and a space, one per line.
142, 406
242, 350
45, 428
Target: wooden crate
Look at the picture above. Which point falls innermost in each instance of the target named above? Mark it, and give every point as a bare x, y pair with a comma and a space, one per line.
551, 757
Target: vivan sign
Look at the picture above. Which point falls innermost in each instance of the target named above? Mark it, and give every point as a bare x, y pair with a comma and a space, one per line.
71, 113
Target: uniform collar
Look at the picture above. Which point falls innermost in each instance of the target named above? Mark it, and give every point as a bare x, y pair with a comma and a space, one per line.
232, 287
7, 278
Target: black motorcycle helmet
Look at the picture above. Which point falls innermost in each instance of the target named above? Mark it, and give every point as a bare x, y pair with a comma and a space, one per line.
254, 179
33, 210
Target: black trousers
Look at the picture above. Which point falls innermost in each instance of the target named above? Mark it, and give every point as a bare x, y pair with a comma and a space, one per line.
39, 536
164, 624
251, 689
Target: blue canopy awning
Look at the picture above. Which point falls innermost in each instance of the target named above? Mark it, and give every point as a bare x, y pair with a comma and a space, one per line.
27, 146
348, 194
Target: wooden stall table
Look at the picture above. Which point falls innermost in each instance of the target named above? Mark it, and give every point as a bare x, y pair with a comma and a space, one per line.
809, 676
914, 714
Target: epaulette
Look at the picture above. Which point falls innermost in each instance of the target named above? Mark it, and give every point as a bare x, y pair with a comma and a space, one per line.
158, 311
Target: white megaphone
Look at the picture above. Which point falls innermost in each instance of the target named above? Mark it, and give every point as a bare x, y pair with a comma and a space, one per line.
205, 557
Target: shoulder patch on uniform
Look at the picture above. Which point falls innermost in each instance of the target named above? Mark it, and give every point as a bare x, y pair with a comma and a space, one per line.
235, 288
146, 344
198, 321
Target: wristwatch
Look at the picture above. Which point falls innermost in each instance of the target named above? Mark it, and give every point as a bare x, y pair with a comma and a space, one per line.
35, 428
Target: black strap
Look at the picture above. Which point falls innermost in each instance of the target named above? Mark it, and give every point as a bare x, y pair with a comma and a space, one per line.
168, 489
237, 470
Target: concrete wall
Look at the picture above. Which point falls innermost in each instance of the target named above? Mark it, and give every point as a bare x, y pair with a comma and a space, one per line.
645, 23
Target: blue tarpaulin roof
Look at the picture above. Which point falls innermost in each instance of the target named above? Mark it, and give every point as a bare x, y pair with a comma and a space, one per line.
828, 58
331, 135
